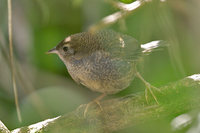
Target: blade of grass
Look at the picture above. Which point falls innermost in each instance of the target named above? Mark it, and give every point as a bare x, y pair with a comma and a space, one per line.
12, 59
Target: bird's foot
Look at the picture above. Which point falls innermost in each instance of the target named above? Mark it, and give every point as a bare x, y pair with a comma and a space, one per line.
89, 104
97, 101
149, 88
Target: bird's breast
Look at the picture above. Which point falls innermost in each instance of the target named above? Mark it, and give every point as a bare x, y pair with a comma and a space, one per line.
101, 73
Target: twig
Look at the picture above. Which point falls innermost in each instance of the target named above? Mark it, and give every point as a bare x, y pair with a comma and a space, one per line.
125, 9
12, 59
3, 128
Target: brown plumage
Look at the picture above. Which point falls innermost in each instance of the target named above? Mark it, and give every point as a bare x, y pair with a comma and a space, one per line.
103, 61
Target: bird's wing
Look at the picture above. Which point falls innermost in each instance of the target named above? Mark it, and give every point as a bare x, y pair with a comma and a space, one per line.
119, 45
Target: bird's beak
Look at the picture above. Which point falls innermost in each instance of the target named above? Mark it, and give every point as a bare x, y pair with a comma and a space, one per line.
53, 50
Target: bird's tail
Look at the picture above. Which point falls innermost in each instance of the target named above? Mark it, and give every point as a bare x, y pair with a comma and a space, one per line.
153, 46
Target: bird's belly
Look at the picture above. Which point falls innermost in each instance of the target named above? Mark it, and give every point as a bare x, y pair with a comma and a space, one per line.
104, 75
107, 86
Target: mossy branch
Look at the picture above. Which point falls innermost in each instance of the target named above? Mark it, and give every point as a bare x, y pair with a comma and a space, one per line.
118, 113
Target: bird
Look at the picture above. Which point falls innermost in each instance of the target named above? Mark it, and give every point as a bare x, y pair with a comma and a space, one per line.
104, 61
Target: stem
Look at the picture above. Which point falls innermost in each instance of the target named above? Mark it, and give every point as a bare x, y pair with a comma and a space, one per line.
12, 60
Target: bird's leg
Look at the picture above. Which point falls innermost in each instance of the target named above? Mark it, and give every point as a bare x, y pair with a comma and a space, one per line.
149, 88
94, 101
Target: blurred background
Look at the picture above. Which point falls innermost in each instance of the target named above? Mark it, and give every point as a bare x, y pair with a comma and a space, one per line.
44, 86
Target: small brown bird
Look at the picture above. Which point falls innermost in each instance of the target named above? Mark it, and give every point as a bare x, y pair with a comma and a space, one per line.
104, 61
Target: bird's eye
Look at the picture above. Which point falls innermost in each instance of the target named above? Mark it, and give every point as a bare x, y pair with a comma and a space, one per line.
65, 48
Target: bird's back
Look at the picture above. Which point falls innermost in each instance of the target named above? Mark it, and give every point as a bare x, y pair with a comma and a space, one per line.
115, 44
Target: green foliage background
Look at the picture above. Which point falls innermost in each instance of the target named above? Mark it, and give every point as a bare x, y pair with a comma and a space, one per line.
45, 88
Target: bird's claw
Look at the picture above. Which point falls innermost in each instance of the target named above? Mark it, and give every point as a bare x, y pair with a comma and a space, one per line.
149, 88
90, 103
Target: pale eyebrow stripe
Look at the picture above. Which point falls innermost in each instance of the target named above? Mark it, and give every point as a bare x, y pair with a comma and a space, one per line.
67, 40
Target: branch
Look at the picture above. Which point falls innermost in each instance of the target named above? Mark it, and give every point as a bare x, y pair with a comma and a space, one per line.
3, 128
125, 10
119, 113
110, 19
